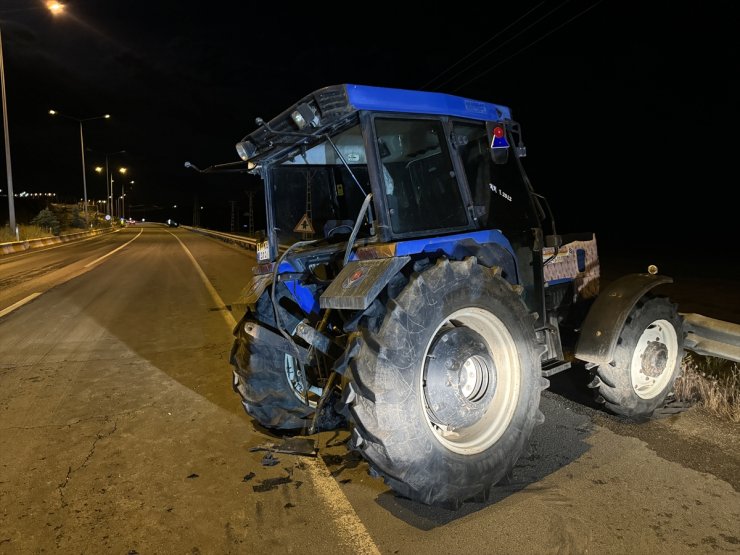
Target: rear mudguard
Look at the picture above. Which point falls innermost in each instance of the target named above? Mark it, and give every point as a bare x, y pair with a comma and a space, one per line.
250, 294
606, 318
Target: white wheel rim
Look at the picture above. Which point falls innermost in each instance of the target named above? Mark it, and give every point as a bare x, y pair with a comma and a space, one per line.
295, 380
660, 336
500, 411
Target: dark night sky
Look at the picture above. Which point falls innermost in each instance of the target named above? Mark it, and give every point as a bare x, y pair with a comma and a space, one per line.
623, 108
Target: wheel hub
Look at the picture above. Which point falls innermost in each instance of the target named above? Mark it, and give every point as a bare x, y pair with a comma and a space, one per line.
654, 359
460, 378
298, 382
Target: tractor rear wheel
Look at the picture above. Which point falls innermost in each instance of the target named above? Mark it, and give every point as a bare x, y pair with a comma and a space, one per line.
444, 396
647, 360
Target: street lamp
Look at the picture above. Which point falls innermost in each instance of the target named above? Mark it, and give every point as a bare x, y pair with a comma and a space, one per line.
11, 203
82, 147
55, 8
108, 179
122, 214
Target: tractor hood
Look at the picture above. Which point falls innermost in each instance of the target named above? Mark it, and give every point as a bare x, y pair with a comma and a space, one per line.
327, 109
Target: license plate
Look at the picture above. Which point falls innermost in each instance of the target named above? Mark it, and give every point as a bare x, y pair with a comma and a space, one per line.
263, 251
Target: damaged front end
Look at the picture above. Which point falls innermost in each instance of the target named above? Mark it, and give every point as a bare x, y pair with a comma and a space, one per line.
291, 340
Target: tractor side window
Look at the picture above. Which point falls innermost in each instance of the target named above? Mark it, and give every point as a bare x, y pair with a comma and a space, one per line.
497, 188
419, 181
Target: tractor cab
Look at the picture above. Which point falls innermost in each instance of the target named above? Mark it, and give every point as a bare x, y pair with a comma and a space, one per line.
434, 164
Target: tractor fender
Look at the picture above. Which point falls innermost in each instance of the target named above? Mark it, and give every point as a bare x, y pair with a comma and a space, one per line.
608, 314
360, 281
250, 294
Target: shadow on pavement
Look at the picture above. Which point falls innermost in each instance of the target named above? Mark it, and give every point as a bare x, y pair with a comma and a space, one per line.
555, 444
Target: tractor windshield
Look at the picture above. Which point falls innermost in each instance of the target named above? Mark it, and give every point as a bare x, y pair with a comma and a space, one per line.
314, 194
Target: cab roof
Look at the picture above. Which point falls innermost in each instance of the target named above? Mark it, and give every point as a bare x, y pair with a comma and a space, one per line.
381, 99
330, 107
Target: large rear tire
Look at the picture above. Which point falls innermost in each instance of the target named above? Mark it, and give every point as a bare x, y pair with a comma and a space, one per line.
647, 360
444, 395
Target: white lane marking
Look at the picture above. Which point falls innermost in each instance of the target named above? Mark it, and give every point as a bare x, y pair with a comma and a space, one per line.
211, 290
19, 304
353, 530
114, 250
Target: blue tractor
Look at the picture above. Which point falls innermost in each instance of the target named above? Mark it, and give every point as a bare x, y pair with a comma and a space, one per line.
412, 283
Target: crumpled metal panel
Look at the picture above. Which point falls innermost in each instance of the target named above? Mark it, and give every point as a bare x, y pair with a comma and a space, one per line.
359, 283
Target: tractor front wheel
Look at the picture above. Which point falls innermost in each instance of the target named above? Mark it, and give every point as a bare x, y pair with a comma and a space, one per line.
274, 388
647, 360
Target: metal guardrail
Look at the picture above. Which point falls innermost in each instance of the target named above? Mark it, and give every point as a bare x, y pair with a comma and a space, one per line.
707, 336
20, 246
240, 240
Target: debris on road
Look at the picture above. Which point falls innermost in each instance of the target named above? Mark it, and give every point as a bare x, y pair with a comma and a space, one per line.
248, 477
193, 475
291, 446
271, 483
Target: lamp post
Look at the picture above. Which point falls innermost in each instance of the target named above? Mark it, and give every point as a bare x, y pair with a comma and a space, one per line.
121, 214
117, 206
55, 8
82, 148
123, 200
108, 179
9, 171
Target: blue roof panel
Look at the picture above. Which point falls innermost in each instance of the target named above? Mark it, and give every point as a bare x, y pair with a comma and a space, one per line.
383, 99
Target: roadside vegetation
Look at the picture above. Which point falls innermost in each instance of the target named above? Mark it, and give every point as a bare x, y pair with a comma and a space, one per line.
712, 384
55, 219
25, 232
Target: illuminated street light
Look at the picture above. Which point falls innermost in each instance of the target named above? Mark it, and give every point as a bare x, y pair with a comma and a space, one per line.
108, 178
55, 8
82, 148
9, 171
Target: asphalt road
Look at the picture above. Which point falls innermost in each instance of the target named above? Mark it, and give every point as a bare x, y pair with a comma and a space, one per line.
119, 433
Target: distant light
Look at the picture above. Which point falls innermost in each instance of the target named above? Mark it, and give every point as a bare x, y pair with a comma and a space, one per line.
107, 116
53, 112
55, 7
201, 208
132, 182
123, 170
174, 206
98, 169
